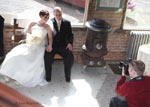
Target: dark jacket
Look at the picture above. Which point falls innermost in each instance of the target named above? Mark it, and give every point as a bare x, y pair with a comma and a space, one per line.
64, 36
1, 36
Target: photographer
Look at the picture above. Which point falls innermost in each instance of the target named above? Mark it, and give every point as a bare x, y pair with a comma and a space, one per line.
136, 91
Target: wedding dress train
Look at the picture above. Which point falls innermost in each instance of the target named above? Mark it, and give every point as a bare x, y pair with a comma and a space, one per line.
25, 62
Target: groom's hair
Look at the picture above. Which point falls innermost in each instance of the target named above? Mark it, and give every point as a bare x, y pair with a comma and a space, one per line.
57, 9
44, 13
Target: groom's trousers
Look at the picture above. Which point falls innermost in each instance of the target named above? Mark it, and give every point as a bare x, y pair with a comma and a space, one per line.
67, 57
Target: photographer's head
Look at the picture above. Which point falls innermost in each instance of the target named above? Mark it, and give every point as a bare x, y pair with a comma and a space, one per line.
136, 68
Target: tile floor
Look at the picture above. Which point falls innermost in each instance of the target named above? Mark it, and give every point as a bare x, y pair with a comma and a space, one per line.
90, 88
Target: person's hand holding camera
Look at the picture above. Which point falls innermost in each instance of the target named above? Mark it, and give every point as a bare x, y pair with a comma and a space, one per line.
123, 71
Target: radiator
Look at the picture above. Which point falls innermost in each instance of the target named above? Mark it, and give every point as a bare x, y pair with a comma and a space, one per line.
137, 38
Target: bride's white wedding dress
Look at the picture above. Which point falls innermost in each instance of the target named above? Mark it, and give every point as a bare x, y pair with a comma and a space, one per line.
25, 62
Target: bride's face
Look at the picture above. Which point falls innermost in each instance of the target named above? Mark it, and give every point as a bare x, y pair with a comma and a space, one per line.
44, 18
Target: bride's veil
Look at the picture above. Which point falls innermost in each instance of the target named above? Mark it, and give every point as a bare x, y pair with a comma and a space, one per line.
50, 23
26, 27
52, 27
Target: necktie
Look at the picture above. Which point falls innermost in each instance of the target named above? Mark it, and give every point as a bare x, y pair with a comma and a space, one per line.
58, 25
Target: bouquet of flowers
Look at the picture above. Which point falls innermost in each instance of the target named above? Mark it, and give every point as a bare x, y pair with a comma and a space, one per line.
32, 39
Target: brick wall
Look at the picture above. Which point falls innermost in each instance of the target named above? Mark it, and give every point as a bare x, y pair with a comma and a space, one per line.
117, 39
79, 40
117, 46
8, 32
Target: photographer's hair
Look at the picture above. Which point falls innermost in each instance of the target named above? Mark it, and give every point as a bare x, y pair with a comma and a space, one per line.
44, 13
138, 66
57, 9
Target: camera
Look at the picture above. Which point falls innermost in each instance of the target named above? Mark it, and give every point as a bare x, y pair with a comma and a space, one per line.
125, 65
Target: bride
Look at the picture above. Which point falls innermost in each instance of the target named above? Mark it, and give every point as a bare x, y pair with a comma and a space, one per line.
25, 62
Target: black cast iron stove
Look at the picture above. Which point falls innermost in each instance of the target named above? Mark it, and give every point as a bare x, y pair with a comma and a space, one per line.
95, 46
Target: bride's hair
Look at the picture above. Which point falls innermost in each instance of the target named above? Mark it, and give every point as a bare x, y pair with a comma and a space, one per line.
41, 13
44, 13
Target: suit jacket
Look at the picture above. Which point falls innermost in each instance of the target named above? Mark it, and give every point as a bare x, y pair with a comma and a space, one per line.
1, 36
64, 36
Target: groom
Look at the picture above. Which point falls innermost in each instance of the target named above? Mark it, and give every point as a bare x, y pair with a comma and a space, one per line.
62, 45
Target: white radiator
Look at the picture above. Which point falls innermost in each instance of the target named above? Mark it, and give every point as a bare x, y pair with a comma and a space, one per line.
137, 38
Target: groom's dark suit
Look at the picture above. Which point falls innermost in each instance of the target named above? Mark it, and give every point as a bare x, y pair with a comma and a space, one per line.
60, 41
1, 36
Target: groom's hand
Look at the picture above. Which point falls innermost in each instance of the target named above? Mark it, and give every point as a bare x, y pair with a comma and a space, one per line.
69, 46
49, 48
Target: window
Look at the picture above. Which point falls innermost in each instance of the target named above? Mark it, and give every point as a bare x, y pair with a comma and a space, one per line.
73, 10
137, 15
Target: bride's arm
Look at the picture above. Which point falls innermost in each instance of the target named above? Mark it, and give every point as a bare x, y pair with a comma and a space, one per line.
27, 32
50, 38
30, 26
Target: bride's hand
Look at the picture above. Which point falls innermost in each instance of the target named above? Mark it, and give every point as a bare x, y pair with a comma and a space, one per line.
49, 48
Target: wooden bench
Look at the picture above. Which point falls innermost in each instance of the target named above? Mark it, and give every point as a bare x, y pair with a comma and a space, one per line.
17, 37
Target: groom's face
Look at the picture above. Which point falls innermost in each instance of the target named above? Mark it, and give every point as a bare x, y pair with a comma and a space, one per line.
58, 15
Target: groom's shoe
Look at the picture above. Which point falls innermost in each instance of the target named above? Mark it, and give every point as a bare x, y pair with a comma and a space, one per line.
67, 79
48, 79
